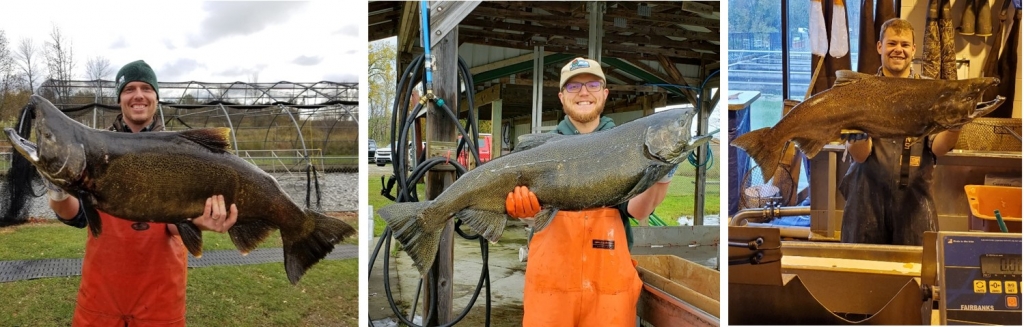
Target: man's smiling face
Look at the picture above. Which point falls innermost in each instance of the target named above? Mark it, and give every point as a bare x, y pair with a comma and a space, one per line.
138, 103
583, 106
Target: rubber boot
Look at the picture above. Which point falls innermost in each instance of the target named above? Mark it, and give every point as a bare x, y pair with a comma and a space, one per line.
984, 20
967, 20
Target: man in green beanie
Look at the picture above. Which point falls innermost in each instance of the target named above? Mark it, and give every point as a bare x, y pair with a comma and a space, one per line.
135, 273
138, 112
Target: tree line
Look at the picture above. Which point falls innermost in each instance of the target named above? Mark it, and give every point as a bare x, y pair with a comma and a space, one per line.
28, 66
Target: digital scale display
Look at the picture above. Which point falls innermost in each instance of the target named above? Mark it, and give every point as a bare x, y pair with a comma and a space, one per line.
1000, 265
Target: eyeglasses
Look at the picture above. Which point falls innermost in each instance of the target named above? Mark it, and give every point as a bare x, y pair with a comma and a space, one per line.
592, 86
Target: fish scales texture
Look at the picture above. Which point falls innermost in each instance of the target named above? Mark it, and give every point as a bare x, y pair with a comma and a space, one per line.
566, 173
883, 107
169, 191
167, 177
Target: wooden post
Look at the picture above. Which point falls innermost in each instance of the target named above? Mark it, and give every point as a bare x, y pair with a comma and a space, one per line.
497, 133
441, 128
702, 156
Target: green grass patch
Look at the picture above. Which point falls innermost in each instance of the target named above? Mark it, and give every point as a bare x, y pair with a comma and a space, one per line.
250, 295
679, 201
375, 199
52, 240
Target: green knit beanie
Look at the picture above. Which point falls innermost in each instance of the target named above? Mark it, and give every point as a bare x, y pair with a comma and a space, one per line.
136, 71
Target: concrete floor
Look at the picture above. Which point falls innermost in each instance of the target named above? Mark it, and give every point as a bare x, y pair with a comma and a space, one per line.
505, 269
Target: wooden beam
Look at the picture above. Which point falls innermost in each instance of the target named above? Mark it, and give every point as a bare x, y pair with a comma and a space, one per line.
664, 31
442, 129
690, 94
711, 24
484, 97
698, 8
505, 62
553, 83
670, 67
408, 26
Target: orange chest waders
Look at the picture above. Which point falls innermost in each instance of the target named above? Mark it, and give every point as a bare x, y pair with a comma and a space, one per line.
133, 274
579, 272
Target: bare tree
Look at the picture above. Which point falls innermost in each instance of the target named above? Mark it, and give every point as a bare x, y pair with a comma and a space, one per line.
28, 63
96, 69
7, 73
60, 60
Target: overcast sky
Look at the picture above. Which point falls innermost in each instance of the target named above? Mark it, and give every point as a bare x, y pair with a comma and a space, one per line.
205, 41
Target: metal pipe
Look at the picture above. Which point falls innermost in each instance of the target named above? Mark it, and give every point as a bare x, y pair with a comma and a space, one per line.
768, 213
787, 231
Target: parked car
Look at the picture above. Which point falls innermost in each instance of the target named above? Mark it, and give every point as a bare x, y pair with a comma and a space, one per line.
483, 145
382, 156
373, 150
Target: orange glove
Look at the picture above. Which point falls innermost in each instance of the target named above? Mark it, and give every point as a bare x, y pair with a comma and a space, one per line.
521, 203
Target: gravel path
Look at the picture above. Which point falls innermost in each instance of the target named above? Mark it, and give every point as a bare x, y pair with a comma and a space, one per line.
339, 192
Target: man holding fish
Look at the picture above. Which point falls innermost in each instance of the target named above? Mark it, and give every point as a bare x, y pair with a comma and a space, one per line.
136, 272
592, 244
888, 187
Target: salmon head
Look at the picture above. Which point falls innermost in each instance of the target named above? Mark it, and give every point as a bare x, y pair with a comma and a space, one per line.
59, 152
668, 139
959, 102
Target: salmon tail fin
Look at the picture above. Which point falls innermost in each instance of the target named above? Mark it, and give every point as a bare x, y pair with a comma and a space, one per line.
764, 148
191, 237
247, 234
420, 241
302, 251
488, 224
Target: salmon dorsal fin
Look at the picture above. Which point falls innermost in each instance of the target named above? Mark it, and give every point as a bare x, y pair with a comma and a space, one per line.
845, 77
217, 139
529, 141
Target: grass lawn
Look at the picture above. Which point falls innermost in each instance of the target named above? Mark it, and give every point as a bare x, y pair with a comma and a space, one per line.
250, 295
678, 202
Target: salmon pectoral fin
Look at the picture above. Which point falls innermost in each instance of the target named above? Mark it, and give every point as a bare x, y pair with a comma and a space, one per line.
543, 218
419, 239
809, 146
488, 224
247, 234
303, 251
192, 237
764, 148
92, 217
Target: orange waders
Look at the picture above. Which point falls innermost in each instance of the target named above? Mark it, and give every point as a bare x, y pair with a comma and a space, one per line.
579, 272
133, 274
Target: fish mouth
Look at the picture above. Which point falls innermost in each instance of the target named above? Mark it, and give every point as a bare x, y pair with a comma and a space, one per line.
983, 108
27, 149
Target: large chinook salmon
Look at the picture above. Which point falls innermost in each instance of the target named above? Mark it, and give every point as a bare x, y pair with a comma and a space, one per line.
577, 172
883, 107
166, 177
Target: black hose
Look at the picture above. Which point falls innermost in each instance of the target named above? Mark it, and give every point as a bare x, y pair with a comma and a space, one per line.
401, 123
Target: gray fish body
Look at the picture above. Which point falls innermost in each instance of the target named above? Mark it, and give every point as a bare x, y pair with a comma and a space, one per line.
566, 173
882, 107
166, 177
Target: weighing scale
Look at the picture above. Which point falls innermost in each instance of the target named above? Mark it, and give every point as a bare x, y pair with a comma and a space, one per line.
978, 277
